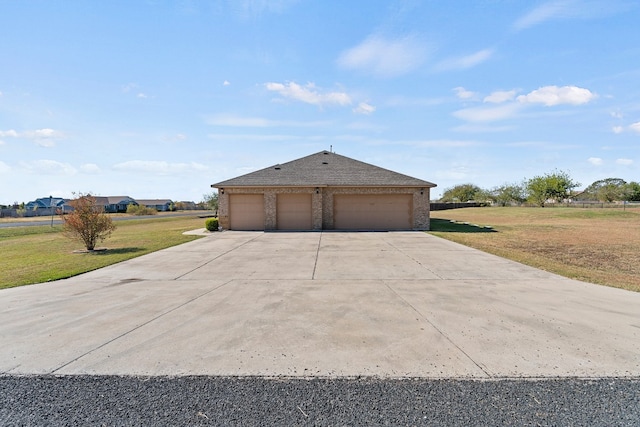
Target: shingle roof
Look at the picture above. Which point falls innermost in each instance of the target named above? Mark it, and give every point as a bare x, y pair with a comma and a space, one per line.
324, 169
112, 200
153, 201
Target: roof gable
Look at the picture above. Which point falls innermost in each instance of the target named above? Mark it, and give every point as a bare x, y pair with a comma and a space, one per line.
324, 169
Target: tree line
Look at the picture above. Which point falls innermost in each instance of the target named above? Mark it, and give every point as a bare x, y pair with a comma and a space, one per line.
556, 186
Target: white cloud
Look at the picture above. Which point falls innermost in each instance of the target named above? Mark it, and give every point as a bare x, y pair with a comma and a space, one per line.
48, 167
236, 121
158, 167
385, 57
43, 137
597, 161
226, 83
43, 133
235, 137
481, 128
424, 143
128, 87
441, 143
230, 120
635, 127
488, 114
174, 137
625, 162
8, 133
142, 95
462, 93
500, 96
90, 168
544, 12
255, 8
464, 62
364, 108
570, 9
308, 94
617, 129
554, 95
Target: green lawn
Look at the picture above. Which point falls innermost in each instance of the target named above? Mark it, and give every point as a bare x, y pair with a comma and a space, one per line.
42, 253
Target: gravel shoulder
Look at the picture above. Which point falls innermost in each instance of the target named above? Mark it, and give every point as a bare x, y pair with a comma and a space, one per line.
171, 401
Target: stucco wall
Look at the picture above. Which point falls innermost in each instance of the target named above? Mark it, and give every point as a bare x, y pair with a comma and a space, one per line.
322, 203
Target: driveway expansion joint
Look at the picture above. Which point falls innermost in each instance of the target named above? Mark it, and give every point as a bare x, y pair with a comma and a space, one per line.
104, 344
445, 336
214, 258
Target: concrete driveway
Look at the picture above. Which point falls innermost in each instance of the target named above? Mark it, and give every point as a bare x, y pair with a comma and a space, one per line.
403, 304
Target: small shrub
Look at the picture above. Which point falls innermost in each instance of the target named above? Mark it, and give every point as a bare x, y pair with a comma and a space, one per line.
87, 222
211, 224
140, 210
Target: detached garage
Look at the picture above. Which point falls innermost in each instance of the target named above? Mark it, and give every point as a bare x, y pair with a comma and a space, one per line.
324, 191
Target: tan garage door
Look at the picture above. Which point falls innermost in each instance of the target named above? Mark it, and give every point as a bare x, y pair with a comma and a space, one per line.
246, 211
372, 211
293, 212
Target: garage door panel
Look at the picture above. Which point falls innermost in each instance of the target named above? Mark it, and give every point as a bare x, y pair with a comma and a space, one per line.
293, 211
246, 211
372, 211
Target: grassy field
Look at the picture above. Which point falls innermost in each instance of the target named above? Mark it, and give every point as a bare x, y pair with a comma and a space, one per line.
42, 253
594, 245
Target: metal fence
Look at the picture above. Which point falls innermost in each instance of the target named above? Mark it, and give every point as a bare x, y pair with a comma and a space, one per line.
27, 213
454, 205
437, 206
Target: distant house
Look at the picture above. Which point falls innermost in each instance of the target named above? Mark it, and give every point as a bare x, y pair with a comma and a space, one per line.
161, 205
186, 205
115, 204
47, 206
45, 203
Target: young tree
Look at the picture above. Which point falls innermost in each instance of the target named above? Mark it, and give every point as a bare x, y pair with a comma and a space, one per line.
211, 201
632, 192
607, 190
509, 193
461, 193
87, 221
553, 186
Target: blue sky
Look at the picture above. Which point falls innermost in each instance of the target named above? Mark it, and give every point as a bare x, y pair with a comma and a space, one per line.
160, 99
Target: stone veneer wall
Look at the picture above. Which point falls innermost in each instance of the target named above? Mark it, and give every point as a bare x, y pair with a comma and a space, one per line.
322, 203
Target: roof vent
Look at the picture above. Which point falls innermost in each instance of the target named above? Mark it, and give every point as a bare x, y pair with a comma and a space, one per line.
277, 168
325, 163
326, 152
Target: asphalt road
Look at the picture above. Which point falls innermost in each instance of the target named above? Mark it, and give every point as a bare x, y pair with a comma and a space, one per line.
176, 401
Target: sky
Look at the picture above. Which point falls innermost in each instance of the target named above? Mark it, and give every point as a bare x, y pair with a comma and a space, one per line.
161, 99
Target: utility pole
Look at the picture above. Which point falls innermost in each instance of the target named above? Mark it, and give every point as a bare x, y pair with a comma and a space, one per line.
51, 207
